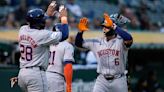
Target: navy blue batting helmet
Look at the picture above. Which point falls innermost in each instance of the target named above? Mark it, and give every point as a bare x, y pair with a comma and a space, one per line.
36, 18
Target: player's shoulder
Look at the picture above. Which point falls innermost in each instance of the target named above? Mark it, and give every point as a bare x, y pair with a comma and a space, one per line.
94, 40
66, 44
24, 27
44, 33
119, 37
100, 39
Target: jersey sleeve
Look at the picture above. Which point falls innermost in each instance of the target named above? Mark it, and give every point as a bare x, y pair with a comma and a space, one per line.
50, 37
68, 53
124, 46
90, 43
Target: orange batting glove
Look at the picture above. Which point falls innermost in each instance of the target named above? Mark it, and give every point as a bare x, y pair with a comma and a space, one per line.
83, 24
107, 22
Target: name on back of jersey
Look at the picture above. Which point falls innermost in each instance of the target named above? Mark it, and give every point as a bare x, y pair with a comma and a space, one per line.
29, 39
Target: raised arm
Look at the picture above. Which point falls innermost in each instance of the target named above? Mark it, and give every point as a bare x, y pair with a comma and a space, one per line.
128, 39
63, 26
64, 23
54, 37
82, 26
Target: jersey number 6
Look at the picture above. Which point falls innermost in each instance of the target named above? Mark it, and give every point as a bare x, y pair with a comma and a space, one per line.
116, 61
26, 52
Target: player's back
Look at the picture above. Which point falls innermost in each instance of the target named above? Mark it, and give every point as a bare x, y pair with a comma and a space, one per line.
60, 53
34, 47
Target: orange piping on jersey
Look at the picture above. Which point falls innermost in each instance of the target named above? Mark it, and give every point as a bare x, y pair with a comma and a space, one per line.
68, 72
64, 20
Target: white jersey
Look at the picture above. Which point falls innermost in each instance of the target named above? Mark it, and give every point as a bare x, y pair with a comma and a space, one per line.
34, 46
111, 55
60, 53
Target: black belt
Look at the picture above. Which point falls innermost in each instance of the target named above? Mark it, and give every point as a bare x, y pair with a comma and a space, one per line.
40, 68
111, 77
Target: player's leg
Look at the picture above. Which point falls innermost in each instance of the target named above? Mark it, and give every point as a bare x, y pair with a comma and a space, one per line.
21, 81
55, 82
119, 85
38, 82
45, 83
35, 80
100, 85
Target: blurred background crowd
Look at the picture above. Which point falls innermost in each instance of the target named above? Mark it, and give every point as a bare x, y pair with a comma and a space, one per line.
145, 61
144, 14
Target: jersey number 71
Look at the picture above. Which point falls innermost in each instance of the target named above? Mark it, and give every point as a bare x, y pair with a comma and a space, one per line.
52, 57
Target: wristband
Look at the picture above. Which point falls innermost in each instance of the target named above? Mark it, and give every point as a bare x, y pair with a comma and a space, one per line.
64, 20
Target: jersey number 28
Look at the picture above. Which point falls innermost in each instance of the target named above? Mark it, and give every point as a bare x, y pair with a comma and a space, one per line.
26, 52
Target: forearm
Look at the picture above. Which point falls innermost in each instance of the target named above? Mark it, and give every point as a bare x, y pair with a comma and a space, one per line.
65, 32
124, 35
79, 39
128, 39
64, 20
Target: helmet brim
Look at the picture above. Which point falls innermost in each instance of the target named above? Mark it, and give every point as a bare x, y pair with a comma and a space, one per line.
103, 25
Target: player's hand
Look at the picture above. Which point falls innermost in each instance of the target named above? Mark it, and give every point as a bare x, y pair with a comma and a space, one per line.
83, 24
63, 15
107, 22
13, 80
63, 12
51, 9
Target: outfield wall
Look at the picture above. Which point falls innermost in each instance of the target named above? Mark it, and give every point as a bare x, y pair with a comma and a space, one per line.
139, 37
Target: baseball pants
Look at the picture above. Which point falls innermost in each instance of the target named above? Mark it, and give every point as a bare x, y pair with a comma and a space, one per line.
56, 82
115, 85
32, 80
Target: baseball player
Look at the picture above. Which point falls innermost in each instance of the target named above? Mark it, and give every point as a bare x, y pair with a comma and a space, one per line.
60, 64
60, 70
111, 53
34, 42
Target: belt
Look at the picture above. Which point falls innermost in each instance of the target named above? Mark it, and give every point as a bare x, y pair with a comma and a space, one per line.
111, 77
33, 67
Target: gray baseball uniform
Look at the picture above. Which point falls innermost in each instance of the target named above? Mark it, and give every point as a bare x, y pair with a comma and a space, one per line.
34, 48
55, 72
111, 58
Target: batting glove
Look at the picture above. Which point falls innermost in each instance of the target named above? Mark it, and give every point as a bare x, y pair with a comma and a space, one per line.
83, 24
107, 21
119, 19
